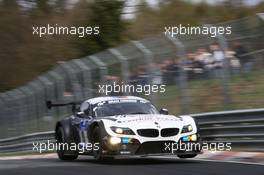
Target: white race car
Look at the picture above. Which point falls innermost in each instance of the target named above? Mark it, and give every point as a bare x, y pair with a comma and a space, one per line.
124, 126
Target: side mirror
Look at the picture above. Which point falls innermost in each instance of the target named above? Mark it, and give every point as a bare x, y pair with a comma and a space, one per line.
164, 111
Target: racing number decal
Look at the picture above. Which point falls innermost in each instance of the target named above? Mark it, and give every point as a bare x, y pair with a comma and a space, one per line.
84, 124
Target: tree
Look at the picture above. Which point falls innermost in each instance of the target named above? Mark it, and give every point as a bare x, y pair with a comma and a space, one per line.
107, 15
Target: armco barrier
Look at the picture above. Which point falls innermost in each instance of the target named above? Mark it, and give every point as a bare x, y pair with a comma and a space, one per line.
244, 129
25, 143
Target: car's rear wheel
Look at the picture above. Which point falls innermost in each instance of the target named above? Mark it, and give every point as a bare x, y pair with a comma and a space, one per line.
98, 138
187, 156
61, 152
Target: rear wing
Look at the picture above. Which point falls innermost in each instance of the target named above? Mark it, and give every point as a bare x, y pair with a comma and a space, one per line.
50, 105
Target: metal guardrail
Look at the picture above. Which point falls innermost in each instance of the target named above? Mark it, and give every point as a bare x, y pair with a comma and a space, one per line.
244, 129
25, 142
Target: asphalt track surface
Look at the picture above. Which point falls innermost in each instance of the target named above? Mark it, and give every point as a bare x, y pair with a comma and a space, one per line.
142, 166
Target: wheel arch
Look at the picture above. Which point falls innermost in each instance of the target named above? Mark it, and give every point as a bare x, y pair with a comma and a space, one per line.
67, 129
99, 124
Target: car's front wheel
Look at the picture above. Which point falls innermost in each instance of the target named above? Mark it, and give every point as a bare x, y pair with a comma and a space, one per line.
98, 138
61, 152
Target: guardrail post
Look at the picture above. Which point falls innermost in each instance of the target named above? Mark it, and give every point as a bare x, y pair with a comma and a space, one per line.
182, 77
40, 102
59, 91
30, 101
10, 113
4, 115
148, 57
71, 75
15, 111
49, 90
22, 111
226, 72
124, 65
102, 66
86, 77
40, 90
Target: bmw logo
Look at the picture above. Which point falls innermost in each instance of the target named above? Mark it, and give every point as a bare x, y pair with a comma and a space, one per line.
157, 124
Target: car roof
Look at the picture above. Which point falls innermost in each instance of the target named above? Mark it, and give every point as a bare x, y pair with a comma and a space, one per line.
109, 98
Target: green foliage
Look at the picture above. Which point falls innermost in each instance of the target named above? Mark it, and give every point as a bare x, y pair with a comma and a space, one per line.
23, 56
174, 12
107, 15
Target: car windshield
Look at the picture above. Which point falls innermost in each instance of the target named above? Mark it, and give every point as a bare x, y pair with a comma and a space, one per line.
124, 108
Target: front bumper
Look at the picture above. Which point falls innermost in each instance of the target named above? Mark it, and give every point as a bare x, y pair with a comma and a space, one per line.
168, 147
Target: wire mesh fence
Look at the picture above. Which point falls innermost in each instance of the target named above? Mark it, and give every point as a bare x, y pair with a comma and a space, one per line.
195, 81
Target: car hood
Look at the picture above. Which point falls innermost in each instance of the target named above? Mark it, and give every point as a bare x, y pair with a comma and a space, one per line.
143, 121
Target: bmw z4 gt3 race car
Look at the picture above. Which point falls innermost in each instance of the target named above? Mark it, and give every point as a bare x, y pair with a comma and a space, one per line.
125, 126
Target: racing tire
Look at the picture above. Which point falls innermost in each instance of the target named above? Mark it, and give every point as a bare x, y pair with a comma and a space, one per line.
98, 138
62, 154
187, 156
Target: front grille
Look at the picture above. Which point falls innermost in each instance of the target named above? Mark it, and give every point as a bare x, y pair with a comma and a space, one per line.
148, 132
155, 147
169, 132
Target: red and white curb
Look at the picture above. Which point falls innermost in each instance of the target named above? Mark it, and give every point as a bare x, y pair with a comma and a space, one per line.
24, 157
232, 156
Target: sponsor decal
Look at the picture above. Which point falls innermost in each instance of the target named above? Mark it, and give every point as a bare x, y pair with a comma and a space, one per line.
84, 124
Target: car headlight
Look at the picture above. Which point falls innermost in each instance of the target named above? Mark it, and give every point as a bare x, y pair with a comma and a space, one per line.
114, 140
125, 131
187, 128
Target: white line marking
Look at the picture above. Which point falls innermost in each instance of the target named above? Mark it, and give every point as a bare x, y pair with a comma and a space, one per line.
207, 160
231, 161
